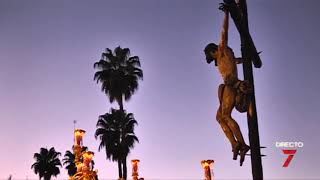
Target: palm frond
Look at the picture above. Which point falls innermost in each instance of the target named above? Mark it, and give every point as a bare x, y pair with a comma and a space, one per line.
47, 162
118, 73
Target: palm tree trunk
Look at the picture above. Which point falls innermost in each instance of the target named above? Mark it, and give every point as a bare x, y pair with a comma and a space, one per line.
47, 177
124, 162
120, 102
120, 168
122, 165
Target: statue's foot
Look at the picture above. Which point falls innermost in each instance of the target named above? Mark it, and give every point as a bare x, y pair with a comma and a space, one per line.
236, 150
243, 151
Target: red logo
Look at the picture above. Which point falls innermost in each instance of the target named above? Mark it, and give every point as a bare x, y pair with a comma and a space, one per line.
290, 153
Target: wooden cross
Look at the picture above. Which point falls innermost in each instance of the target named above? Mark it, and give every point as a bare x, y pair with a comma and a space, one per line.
239, 14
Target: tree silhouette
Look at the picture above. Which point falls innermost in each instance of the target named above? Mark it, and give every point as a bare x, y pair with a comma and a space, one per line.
47, 163
115, 131
119, 74
68, 161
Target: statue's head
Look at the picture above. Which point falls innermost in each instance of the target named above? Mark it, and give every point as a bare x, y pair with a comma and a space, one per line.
211, 53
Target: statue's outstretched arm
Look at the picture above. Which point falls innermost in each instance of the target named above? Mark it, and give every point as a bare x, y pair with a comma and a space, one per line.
224, 34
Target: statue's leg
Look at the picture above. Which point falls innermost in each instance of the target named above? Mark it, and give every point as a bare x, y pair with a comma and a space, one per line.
234, 144
228, 103
226, 128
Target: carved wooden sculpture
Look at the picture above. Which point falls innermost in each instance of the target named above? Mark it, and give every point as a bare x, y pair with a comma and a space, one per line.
230, 91
236, 93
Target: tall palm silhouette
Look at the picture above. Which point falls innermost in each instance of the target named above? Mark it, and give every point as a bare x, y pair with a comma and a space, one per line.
68, 161
115, 131
119, 74
47, 163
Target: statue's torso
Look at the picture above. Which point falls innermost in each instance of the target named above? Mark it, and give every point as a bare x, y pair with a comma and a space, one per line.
227, 65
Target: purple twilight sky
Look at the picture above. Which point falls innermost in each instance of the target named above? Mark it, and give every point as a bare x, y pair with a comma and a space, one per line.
47, 52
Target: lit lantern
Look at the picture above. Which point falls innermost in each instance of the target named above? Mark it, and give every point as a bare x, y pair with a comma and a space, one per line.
79, 166
78, 136
206, 164
135, 173
87, 158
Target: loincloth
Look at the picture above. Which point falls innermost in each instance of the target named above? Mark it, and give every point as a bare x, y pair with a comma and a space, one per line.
243, 90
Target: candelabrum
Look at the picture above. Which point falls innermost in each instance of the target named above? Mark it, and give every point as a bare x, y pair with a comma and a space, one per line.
83, 159
206, 164
135, 174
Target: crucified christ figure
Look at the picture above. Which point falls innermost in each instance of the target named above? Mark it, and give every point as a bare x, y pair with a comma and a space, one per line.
233, 90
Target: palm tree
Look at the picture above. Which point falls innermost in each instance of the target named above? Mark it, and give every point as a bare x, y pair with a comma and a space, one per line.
68, 161
47, 163
119, 74
116, 133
